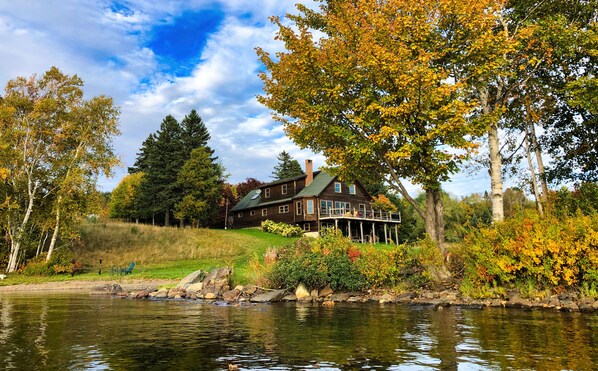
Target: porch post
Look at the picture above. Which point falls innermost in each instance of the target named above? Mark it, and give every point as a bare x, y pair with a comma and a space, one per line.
396, 234
385, 235
349, 229
335, 225
373, 232
361, 228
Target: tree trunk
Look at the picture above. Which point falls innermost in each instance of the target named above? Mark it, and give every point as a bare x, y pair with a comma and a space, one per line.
434, 220
532, 171
498, 213
167, 217
540, 161
495, 170
56, 229
15, 244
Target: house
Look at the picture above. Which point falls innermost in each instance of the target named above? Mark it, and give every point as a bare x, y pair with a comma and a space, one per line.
316, 200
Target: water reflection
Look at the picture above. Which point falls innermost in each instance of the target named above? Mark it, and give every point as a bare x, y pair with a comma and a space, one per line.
75, 332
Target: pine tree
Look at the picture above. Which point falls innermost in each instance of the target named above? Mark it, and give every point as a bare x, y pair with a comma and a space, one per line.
194, 133
160, 189
287, 167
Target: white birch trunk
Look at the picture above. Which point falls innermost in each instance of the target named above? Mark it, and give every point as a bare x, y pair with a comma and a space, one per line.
56, 229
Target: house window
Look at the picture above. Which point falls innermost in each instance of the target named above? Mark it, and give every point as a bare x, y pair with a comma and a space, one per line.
341, 207
264, 212
310, 206
283, 209
299, 207
267, 193
352, 189
325, 207
307, 227
240, 215
337, 187
252, 213
283, 189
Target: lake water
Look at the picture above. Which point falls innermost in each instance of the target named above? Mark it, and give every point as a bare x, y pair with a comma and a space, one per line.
79, 332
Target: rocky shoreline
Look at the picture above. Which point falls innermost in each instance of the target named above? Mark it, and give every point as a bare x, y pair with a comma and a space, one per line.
215, 287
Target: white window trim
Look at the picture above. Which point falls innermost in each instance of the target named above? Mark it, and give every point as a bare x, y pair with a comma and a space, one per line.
284, 189
252, 213
299, 207
267, 193
264, 212
284, 209
307, 227
352, 189
240, 214
340, 187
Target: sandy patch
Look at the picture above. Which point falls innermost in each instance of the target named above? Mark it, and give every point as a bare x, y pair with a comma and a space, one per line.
72, 286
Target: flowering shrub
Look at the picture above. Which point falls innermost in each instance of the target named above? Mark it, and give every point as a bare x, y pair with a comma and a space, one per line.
317, 263
281, 229
547, 250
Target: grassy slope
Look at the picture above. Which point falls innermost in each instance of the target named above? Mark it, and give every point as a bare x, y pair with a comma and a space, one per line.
172, 252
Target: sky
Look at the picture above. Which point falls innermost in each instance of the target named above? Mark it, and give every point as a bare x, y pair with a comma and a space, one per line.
159, 57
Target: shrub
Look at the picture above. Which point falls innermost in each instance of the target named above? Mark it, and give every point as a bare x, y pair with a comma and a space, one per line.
317, 263
61, 262
548, 251
281, 229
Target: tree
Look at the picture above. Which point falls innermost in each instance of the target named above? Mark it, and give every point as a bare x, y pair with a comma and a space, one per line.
160, 189
124, 201
377, 93
57, 145
287, 167
247, 186
161, 159
194, 133
202, 181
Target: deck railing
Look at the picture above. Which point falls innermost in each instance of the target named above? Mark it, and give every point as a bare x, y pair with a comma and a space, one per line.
372, 215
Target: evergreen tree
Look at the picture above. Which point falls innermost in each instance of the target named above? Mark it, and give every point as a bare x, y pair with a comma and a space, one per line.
159, 189
201, 180
194, 133
287, 167
141, 162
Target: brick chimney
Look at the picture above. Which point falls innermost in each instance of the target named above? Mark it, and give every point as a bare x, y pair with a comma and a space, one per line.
309, 170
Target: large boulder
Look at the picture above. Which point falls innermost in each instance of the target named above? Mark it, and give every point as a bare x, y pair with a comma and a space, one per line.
217, 281
301, 292
191, 278
269, 296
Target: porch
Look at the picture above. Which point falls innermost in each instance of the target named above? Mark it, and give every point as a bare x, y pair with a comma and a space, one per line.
362, 225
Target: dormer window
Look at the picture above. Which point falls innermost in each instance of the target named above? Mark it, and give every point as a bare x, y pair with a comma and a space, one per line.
337, 187
283, 189
267, 193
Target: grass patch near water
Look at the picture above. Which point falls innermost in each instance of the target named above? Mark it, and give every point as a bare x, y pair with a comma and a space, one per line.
172, 253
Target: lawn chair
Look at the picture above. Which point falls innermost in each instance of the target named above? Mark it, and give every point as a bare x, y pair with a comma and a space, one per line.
127, 270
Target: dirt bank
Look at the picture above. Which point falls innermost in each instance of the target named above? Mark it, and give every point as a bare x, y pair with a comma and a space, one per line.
87, 286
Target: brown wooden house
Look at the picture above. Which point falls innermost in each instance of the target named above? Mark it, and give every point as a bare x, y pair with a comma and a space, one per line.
316, 200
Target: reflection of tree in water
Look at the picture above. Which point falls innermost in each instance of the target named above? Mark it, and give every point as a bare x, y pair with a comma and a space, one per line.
78, 332
536, 339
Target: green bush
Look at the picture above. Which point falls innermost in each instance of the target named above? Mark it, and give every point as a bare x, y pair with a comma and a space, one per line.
317, 263
61, 262
281, 229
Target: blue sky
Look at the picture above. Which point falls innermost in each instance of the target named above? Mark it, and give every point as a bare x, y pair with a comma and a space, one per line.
157, 57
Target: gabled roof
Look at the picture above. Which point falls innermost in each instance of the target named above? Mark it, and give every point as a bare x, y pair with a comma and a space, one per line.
317, 186
321, 180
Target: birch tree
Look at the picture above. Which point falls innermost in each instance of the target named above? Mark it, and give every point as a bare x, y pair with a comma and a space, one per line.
58, 143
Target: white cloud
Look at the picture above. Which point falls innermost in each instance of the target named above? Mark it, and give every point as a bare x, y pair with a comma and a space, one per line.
107, 47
